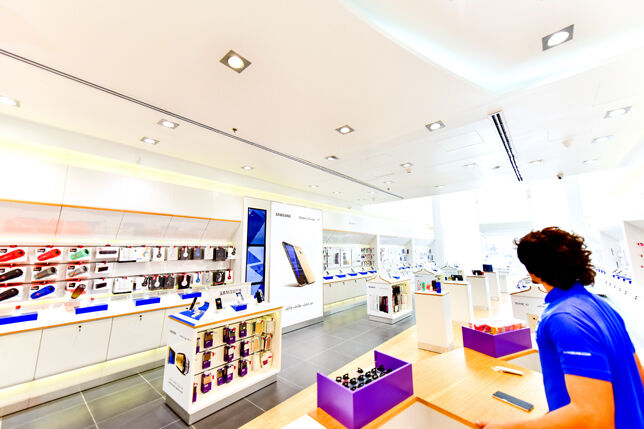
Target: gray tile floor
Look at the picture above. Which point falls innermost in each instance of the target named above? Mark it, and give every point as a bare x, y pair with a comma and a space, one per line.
137, 402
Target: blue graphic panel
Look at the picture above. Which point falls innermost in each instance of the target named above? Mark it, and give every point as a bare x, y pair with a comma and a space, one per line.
255, 264
256, 227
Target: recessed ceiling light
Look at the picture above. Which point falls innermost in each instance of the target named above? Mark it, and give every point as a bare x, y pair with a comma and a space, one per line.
332, 158
235, 61
345, 129
471, 165
388, 182
435, 126
149, 140
602, 139
439, 186
167, 124
557, 38
617, 112
406, 165
591, 161
247, 167
8, 101
336, 192
313, 186
536, 161
362, 199
372, 192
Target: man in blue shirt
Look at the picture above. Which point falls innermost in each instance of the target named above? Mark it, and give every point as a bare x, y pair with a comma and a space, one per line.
592, 375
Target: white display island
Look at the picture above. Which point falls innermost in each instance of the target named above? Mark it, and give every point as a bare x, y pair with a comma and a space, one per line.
494, 284
434, 321
528, 303
503, 280
221, 358
480, 292
389, 298
462, 307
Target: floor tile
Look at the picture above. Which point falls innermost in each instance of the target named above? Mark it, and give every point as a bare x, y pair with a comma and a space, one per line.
152, 415
352, 348
231, 417
288, 360
125, 400
153, 373
303, 374
272, 395
75, 417
304, 349
42, 411
177, 424
113, 387
330, 360
157, 383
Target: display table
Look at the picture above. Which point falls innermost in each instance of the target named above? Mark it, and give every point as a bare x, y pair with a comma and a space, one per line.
343, 287
528, 304
503, 280
389, 298
494, 285
454, 390
462, 308
480, 292
434, 321
204, 370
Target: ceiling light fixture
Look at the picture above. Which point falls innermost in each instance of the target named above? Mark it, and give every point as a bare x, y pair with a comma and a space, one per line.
372, 192
235, 61
247, 167
149, 140
336, 192
471, 165
313, 186
8, 101
388, 182
557, 38
406, 165
591, 161
617, 112
168, 124
536, 161
602, 139
435, 125
332, 158
345, 129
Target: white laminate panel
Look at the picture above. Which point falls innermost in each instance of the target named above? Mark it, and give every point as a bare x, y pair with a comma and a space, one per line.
73, 346
135, 333
18, 357
88, 225
20, 222
480, 292
146, 227
185, 229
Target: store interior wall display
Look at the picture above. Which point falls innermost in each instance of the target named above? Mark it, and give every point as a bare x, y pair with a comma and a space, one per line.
351, 214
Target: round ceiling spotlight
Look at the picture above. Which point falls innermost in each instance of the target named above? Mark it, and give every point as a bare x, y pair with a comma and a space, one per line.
8, 101
558, 38
247, 167
235, 62
168, 124
149, 140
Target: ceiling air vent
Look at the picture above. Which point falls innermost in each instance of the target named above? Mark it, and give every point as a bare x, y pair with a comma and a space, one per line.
504, 135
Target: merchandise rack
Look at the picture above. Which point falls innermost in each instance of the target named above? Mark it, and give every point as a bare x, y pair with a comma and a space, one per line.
185, 334
383, 304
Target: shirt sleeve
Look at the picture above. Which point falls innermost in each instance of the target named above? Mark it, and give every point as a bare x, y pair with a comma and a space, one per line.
580, 348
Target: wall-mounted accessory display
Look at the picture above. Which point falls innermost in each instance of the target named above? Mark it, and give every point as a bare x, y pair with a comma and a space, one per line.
9, 293
77, 254
11, 275
12, 255
41, 291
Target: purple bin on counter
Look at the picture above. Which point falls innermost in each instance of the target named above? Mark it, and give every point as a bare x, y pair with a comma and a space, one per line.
354, 409
497, 345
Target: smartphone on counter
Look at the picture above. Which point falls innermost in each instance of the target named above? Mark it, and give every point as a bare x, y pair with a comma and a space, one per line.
509, 399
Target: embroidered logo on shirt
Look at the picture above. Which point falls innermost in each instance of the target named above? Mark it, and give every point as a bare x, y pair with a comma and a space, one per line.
571, 352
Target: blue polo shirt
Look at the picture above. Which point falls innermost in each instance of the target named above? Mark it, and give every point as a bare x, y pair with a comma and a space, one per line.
580, 334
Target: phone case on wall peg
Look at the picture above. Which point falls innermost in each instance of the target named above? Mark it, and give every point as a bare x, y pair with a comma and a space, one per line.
12, 255
6, 275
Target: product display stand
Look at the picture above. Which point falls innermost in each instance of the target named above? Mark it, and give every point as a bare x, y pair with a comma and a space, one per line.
462, 307
434, 321
389, 298
480, 292
493, 283
220, 358
503, 281
528, 303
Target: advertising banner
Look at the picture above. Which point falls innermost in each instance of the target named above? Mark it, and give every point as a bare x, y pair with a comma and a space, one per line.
296, 262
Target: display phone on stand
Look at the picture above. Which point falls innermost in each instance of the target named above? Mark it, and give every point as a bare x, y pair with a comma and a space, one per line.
218, 304
194, 302
259, 296
240, 298
509, 399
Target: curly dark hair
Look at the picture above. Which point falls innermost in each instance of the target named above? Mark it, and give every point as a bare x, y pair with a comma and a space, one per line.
557, 257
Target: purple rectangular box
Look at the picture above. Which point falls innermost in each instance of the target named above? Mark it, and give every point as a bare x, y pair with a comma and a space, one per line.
354, 409
497, 345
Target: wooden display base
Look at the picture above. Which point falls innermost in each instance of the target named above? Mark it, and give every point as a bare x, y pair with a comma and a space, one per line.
436, 349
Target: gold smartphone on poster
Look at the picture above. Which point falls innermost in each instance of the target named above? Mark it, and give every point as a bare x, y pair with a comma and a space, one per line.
299, 264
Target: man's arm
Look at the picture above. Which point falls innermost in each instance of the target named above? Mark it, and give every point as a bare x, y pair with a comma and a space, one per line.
591, 407
639, 366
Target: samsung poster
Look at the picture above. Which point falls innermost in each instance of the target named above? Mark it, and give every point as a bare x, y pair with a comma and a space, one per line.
296, 262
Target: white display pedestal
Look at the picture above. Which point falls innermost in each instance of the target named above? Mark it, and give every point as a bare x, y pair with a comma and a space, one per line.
188, 346
528, 304
503, 281
480, 292
381, 306
462, 308
493, 283
434, 321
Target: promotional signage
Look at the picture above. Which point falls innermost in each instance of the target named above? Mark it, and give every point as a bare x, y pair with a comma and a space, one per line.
296, 263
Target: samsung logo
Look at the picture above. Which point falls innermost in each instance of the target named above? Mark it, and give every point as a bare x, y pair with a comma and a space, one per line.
282, 215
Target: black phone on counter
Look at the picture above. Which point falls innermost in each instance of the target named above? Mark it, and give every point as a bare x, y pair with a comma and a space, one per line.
218, 304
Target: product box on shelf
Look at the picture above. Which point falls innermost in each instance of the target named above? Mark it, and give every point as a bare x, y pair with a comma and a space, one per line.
77, 288
14, 255
12, 293
103, 284
10, 275
41, 273
390, 384
79, 254
158, 254
104, 268
43, 290
78, 271
48, 254
108, 253
498, 345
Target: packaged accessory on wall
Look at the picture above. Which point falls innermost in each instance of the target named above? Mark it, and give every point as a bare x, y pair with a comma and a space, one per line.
256, 362
173, 253
256, 344
269, 325
78, 254
198, 347
42, 273
77, 288
158, 254
209, 253
221, 254
137, 282
243, 329
205, 359
194, 392
219, 277
122, 285
206, 382
231, 251
182, 363
41, 291
127, 254
197, 253
196, 279
267, 341
244, 348
142, 254
6, 295
267, 359
47, 254
108, 253
183, 281
169, 281
230, 372
208, 339
243, 368
207, 278
229, 353
76, 271
103, 284
259, 326
230, 335
13, 255
104, 268
221, 375
184, 253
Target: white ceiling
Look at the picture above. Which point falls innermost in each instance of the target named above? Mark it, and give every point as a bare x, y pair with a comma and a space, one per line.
317, 65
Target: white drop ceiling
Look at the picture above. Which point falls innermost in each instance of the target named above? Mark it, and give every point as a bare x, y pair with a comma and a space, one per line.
320, 64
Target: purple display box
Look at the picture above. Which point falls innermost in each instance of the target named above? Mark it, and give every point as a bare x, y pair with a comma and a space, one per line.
354, 409
497, 345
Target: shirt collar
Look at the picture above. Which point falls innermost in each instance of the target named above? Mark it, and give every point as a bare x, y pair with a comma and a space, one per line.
557, 293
